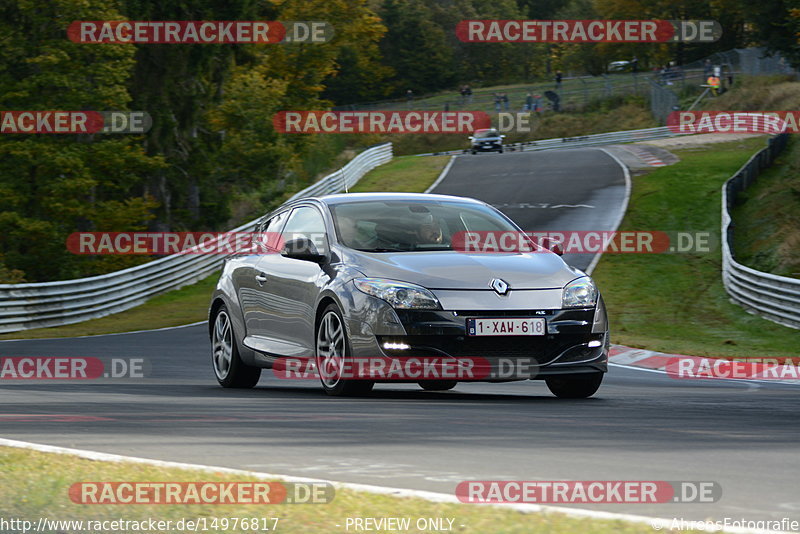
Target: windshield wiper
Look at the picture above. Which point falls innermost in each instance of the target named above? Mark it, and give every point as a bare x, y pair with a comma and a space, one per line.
383, 250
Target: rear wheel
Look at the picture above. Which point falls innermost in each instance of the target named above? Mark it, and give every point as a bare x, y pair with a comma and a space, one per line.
230, 370
332, 351
575, 387
437, 385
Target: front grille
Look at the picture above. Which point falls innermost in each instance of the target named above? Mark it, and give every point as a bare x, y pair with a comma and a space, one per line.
448, 323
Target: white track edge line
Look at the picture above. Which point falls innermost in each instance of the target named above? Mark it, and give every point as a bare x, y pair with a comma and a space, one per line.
103, 335
622, 211
441, 174
382, 490
744, 381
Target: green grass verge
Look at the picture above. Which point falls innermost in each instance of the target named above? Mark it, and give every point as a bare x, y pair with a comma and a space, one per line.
34, 485
183, 306
676, 302
767, 217
406, 174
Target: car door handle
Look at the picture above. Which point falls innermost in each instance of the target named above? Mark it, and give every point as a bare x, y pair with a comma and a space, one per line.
261, 278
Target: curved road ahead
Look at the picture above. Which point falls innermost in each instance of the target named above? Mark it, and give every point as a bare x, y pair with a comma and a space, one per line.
640, 426
552, 190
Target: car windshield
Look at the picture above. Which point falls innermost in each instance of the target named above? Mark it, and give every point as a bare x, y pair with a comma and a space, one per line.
480, 134
411, 226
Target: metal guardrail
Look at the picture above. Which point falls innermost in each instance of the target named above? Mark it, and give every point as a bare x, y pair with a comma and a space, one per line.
773, 297
609, 138
37, 305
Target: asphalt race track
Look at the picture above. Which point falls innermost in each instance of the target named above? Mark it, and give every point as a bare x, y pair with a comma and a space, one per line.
640, 426
546, 191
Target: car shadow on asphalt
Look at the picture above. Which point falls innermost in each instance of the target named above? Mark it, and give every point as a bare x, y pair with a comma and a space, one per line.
382, 392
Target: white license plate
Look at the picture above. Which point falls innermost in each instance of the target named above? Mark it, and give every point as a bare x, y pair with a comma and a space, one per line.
507, 326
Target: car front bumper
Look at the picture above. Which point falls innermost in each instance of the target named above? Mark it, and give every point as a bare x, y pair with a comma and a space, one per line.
576, 342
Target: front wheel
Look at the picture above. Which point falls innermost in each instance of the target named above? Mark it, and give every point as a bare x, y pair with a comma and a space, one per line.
332, 351
230, 370
574, 387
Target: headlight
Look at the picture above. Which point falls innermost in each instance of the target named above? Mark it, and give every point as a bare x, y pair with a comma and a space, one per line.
400, 295
580, 293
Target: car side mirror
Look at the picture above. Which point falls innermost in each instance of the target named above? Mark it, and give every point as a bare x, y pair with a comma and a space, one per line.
471, 138
552, 245
502, 136
302, 248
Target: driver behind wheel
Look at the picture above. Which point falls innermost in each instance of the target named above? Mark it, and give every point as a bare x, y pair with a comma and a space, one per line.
429, 231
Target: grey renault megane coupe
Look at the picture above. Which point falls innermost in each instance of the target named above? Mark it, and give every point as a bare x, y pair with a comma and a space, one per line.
384, 278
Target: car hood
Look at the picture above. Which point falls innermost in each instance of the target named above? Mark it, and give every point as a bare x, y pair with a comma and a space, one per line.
457, 270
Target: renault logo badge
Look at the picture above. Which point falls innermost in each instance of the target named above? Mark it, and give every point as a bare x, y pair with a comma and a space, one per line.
499, 285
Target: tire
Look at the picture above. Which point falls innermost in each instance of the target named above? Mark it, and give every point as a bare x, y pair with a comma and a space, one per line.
331, 348
574, 387
500, 151
474, 152
437, 385
229, 369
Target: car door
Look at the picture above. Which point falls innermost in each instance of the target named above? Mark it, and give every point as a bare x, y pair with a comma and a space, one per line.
289, 292
298, 282
249, 280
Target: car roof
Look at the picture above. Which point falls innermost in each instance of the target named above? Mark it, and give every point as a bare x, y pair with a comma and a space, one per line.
341, 198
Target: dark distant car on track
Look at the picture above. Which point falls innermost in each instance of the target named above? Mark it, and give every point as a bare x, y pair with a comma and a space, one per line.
486, 140
377, 275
